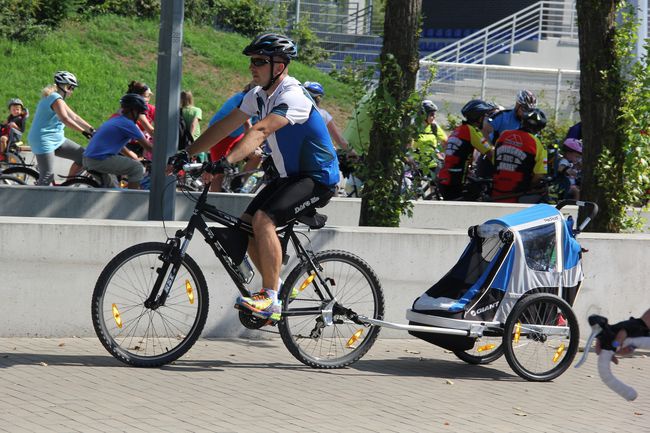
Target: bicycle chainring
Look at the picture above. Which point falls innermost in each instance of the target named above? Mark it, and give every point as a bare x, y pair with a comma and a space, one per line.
251, 322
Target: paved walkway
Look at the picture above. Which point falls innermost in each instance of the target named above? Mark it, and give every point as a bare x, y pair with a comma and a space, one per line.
74, 385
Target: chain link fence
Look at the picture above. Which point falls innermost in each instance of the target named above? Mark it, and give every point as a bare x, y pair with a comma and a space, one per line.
557, 90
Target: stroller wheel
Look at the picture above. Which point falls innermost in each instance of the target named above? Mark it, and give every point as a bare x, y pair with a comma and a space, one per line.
541, 337
487, 349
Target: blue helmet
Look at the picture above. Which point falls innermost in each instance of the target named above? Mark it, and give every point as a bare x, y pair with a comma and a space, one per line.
314, 88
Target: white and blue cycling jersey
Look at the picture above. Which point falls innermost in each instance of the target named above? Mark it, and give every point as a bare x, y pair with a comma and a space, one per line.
304, 146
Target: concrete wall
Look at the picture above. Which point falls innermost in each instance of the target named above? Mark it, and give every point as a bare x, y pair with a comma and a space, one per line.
51, 265
60, 202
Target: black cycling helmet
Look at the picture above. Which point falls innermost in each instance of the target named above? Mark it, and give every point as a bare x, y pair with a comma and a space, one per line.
64, 77
429, 107
534, 120
15, 101
272, 45
475, 109
133, 101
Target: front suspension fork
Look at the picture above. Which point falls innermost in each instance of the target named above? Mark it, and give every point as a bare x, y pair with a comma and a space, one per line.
172, 257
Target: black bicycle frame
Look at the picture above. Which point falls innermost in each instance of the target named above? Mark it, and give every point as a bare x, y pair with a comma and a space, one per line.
179, 243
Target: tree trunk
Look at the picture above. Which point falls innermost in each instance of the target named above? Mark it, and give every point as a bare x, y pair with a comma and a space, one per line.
399, 59
601, 87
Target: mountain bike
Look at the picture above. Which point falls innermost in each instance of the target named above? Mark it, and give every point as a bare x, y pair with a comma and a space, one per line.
150, 303
601, 329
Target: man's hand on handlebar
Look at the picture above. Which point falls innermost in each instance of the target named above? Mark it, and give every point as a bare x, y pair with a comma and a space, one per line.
218, 167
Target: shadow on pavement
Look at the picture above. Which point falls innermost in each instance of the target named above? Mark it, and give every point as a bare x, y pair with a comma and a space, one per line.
16, 358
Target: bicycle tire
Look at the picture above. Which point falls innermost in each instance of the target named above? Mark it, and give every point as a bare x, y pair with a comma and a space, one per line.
81, 182
139, 336
26, 174
529, 352
7, 179
12, 159
354, 285
486, 349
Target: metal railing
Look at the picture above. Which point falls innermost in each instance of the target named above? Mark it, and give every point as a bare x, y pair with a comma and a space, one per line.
547, 18
557, 90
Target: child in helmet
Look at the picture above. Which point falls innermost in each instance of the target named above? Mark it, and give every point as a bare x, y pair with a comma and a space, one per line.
12, 130
570, 168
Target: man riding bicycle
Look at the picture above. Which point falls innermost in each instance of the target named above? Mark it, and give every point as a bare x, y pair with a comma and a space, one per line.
103, 151
301, 149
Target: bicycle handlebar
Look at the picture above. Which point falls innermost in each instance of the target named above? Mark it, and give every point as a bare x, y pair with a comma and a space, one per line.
591, 207
605, 359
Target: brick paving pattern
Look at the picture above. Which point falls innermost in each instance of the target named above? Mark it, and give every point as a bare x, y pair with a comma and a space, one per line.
405, 385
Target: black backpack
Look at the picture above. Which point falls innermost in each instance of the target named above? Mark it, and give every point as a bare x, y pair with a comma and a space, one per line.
184, 136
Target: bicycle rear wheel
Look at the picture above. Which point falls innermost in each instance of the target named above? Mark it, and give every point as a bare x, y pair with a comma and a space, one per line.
81, 182
541, 337
141, 336
25, 174
323, 340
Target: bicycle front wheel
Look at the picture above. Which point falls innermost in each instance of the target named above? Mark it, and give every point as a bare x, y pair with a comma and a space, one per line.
141, 336
541, 337
25, 174
314, 327
6, 179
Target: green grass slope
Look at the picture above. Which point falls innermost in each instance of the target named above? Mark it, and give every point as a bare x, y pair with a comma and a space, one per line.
106, 53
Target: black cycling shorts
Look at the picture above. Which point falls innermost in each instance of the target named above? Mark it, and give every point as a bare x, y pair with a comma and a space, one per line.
288, 197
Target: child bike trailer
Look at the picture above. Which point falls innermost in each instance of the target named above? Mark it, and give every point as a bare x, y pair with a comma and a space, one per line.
511, 292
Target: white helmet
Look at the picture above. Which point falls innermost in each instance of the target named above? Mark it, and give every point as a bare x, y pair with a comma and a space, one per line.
64, 77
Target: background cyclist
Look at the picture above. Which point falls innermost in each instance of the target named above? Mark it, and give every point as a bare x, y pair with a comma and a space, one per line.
520, 160
302, 151
506, 120
103, 152
223, 147
460, 146
317, 92
430, 144
46, 136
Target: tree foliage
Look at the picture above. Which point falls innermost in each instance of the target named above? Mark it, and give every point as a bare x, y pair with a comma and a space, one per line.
614, 111
393, 107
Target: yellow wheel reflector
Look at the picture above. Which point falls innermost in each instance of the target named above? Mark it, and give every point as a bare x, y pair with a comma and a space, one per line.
116, 316
558, 352
486, 347
307, 282
190, 291
517, 332
355, 337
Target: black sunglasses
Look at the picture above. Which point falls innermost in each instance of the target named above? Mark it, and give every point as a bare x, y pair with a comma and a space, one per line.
259, 62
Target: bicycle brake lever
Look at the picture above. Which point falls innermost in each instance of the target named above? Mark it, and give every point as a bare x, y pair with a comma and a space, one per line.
595, 330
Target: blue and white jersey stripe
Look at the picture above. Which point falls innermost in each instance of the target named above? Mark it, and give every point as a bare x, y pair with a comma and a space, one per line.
304, 146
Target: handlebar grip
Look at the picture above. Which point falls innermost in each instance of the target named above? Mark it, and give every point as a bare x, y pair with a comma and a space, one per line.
591, 207
608, 378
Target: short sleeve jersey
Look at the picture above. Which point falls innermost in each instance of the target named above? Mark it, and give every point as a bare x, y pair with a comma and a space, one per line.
303, 146
46, 133
111, 137
504, 121
460, 146
231, 103
327, 117
519, 155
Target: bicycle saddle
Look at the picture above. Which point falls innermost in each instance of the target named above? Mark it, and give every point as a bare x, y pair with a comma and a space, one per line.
313, 219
